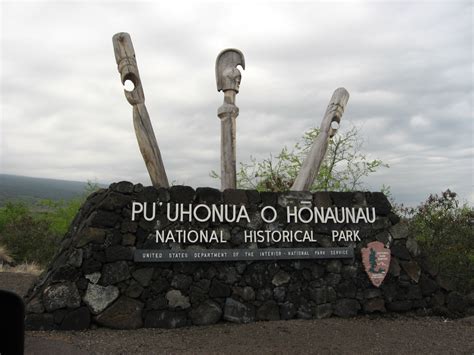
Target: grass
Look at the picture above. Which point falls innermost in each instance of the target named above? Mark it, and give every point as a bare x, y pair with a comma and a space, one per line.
5, 257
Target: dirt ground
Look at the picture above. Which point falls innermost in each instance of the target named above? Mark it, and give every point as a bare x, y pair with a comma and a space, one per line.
361, 335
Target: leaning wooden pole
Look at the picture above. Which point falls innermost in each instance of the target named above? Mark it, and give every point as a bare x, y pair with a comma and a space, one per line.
310, 168
228, 80
128, 69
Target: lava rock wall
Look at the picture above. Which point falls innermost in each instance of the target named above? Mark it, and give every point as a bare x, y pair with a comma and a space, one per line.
93, 280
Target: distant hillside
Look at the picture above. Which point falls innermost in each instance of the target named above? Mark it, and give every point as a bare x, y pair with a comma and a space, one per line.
31, 189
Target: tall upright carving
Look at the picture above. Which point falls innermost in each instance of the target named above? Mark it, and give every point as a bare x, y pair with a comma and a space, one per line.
128, 69
310, 168
228, 79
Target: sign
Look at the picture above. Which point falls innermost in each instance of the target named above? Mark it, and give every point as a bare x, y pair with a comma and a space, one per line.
376, 260
154, 255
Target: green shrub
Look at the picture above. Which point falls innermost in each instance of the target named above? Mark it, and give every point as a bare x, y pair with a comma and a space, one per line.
12, 212
444, 229
60, 213
33, 233
30, 240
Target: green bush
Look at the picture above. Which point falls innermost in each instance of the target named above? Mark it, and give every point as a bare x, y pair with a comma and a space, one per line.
11, 213
33, 233
29, 239
444, 229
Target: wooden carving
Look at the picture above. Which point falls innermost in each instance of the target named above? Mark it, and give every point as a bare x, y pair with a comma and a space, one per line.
228, 80
310, 168
128, 69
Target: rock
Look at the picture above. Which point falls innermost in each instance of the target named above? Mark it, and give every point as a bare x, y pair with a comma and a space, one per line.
412, 246
445, 282
75, 258
90, 266
287, 311
264, 294
294, 198
219, 289
181, 194
103, 219
400, 251
114, 201
143, 276
470, 299
372, 293
237, 312
412, 269
115, 272
98, 298
181, 282
165, 319
124, 187
208, 195
399, 231
268, 311
246, 293
334, 266
317, 271
44, 321
395, 268
322, 310
430, 267
269, 198
65, 273
437, 300
427, 285
349, 271
319, 295
400, 306
379, 201
118, 252
253, 197
35, 306
235, 197
94, 277
322, 199
91, 235
79, 319
384, 237
134, 289
346, 307
304, 312
455, 302
281, 278
177, 299
58, 315
125, 313
60, 296
279, 294
342, 199
347, 289
208, 312
128, 239
374, 305
333, 279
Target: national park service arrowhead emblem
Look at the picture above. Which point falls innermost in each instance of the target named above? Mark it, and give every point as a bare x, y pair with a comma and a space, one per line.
376, 259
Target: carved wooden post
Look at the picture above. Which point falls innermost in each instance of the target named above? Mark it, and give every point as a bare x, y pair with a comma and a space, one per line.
228, 80
310, 168
128, 69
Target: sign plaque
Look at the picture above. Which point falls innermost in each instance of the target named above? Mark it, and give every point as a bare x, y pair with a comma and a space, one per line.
376, 260
166, 255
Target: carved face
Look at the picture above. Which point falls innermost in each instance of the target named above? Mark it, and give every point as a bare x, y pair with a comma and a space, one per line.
232, 79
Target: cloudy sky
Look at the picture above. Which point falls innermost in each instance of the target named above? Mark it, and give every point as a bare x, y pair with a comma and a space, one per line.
407, 66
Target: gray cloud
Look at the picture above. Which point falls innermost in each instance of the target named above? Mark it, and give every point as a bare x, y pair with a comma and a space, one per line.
408, 67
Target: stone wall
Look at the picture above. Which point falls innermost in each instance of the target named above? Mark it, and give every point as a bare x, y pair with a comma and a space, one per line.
93, 280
